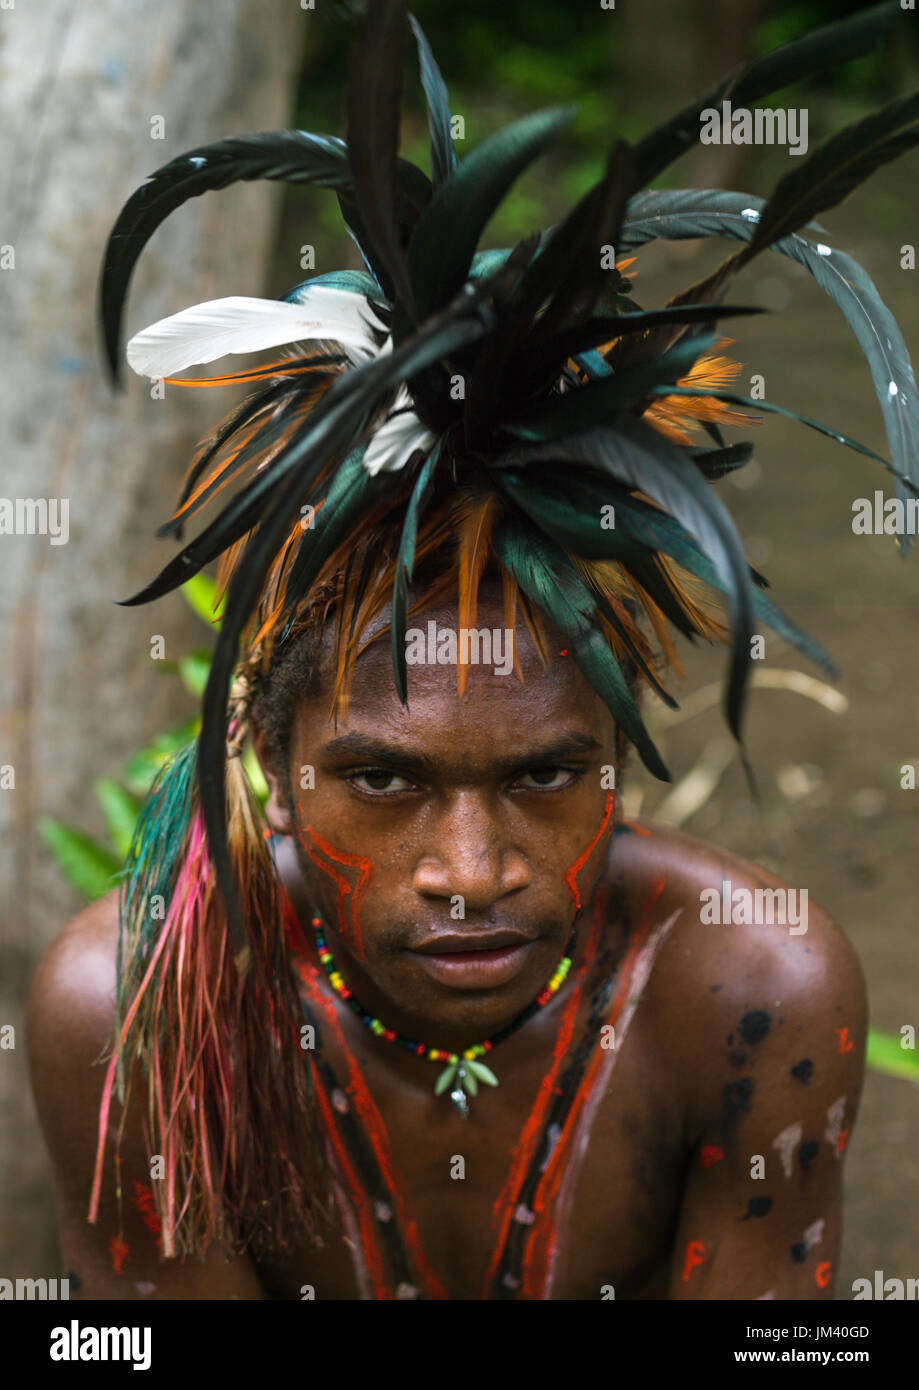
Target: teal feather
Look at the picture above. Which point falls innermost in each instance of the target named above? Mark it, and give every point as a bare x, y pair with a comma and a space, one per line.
549, 580
405, 563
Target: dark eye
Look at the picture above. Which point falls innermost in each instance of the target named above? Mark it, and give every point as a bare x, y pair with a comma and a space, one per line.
548, 778
377, 781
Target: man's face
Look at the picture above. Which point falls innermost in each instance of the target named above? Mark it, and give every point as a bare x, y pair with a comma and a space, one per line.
452, 823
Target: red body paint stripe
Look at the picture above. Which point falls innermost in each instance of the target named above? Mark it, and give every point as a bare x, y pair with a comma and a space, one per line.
370, 1250
375, 1129
695, 1255
145, 1203
118, 1252
541, 1237
523, 1152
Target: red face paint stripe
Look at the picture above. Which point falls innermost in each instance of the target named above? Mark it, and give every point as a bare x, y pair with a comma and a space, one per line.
351, 933
571, 874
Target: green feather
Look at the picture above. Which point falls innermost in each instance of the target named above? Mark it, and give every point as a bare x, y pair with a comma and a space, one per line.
441, 250
405, 563
443, 153
594, 404
547, 577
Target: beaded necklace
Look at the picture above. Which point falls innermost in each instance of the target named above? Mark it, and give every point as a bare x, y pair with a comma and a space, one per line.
463, 1071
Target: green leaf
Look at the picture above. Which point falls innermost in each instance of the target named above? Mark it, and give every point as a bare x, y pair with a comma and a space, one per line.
141, 768
253, 770
84, 863
198, 593
193, 669
120, 810
483, 1073
885, 1054
445, 1079
470, 1085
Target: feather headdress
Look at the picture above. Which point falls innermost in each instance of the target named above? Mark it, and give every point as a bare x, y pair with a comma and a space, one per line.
494, 400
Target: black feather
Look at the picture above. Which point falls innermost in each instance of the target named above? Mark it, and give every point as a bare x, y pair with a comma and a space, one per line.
289, 156
374, 105
815, 52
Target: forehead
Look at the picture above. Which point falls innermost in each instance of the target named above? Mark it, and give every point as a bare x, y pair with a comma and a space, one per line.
498, 712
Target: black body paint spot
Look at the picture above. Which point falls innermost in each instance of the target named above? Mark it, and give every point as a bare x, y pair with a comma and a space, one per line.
754, 1026
758, 1206
799, 1252
737, 1095
730, 1039
803, 1070
807, 1153
715, 988
738, 1058
76, 1283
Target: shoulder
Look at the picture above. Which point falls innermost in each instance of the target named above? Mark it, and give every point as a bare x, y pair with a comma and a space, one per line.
71, 1003
69, 1028
751, 958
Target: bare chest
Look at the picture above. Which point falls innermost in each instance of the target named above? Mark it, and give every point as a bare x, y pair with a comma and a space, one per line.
563, 1182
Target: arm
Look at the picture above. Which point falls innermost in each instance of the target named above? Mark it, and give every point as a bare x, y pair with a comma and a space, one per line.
761, 1215
69, 1019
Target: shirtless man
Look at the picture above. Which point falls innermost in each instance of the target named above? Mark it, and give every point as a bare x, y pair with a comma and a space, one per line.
671, 1123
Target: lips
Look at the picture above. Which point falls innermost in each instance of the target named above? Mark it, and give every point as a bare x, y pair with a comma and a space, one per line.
456, 943
474, 960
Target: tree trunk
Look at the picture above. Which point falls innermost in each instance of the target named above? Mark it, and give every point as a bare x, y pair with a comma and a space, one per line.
93, 98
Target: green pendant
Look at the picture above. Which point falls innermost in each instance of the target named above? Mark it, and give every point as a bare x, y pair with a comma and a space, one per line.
464, 1077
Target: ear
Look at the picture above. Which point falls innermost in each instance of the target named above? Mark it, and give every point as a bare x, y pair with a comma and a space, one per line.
277, 811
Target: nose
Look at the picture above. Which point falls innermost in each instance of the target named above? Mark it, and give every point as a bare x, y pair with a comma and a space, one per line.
471, 855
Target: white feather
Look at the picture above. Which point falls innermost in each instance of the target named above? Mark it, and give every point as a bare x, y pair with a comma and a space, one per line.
207, 331
397, 438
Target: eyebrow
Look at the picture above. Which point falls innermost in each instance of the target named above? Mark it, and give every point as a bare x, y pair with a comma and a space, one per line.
379, 751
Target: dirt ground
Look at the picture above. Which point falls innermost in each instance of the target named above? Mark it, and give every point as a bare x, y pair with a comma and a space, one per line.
834, 817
